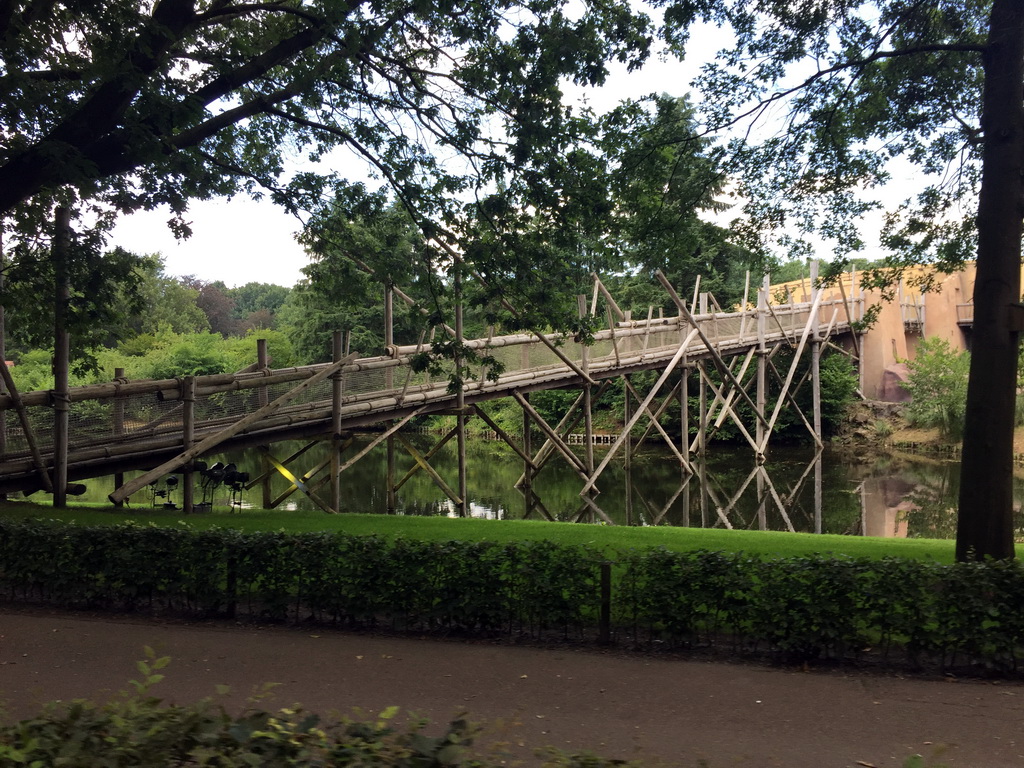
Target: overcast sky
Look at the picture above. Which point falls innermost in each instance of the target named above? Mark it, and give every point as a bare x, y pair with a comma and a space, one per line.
242, 240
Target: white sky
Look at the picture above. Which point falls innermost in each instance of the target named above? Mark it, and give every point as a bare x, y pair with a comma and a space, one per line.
242, 240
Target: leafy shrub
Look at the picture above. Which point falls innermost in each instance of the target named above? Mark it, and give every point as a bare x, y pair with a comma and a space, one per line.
937, 384
799, 608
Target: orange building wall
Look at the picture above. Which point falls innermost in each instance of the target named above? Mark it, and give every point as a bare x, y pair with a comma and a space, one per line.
890, 341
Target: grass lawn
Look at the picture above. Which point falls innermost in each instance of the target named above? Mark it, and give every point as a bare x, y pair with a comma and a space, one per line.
609, 538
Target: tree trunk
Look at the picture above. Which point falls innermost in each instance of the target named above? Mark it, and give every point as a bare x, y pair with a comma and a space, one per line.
985, 522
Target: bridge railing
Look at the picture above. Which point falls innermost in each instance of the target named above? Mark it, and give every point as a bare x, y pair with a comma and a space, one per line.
111, 418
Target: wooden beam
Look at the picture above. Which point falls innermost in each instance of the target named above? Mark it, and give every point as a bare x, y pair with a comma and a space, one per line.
429, 455
423, 464
214, 440
26, 428
574, 461
715, 356
503, 435
642, 409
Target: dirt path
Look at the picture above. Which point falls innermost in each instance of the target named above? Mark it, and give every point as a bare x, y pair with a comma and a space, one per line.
617, 705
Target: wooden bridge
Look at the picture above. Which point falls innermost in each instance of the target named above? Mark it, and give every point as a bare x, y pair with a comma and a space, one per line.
50, 439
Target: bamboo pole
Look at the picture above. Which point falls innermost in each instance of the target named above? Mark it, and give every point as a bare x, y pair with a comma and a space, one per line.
428, 456
61, 354
337, 398
379, 439
654, 415
762, 372
460, 395
213, 440
528, 465
423, 464
3, 349
389, 384
501, 433
303, 481
300, 484
808, 328
642, 408
715, 356
574, 461
119, 427
263, 365
188, 439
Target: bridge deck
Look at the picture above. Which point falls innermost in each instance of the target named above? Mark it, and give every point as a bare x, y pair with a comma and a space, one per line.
138, 424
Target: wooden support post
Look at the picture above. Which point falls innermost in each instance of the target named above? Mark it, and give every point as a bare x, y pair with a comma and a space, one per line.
762, 503
188, 439
641, 409
212, 441
3, 352
337, 397
703, 411
816, 358
626, 416
588, 412
527, 485
816, 396
553, 437
684, 411
460, 395
702, 474
391, 496
427, 457
61, 354
26, 428
761, 396
423, 464
710, 348
809, 326
118, 427
389, 383
262, 398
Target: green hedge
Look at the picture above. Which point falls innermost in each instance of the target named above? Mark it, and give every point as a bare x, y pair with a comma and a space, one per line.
798, 608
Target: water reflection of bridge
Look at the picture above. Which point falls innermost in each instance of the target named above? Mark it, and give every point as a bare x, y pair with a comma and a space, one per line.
50, 438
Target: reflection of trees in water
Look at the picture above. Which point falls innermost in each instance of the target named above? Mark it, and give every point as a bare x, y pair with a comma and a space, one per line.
932, 516
653, 495
934, 511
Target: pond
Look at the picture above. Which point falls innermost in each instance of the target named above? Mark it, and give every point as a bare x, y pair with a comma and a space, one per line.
888, 496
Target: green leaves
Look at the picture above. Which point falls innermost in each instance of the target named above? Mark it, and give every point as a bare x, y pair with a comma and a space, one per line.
815, 102
798, 608
937, 384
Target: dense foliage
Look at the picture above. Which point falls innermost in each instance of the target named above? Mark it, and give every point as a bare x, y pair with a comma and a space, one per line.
937, 384
142, 731
798, 608
870, 91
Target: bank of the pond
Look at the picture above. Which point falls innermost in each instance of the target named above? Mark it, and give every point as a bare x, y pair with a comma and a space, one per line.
608, 538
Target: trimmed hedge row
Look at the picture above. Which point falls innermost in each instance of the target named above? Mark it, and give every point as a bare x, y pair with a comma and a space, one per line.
799, 608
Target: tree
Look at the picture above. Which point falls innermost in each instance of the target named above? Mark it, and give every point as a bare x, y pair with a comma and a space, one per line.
663, 181
131, 106
99, 308
938, 84
167, 302
215, 301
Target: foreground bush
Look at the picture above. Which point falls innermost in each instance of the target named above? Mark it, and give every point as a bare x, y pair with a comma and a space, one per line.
798, 609
141, 731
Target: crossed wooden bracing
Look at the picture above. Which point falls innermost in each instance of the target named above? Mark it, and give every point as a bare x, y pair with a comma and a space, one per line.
165, 426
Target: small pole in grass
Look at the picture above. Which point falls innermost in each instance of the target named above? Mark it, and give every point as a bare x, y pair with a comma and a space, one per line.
605, 627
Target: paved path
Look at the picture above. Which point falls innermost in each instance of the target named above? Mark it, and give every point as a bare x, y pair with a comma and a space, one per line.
614, 704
